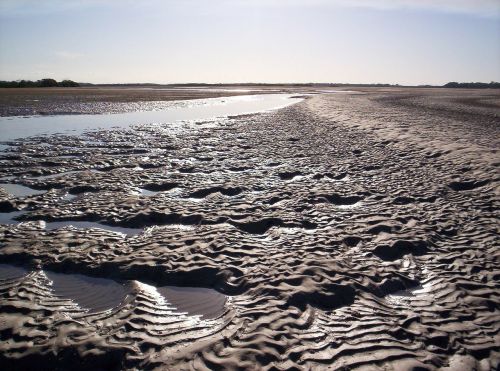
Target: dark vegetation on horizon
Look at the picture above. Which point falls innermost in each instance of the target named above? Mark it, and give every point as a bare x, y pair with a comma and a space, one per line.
43, 83
473, 85
466, 85
47, 83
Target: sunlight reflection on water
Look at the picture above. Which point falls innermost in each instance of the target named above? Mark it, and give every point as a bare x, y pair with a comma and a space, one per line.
198, 109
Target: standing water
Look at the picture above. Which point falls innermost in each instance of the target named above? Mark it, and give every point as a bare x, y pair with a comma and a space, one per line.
198, 109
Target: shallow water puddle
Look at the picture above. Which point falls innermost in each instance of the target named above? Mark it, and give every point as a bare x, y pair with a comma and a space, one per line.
404, 297
69, 197
197, 109
85, 225
93, 294
52, 176
100, 294
349, 207
7, 178
144, 192
207, 303
9, 218
10, 272
297, 178
18, 190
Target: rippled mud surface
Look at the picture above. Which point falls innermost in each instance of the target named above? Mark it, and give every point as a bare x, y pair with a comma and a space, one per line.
353, 231
95, 100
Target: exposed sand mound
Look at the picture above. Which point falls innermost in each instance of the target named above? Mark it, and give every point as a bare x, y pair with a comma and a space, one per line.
353, 231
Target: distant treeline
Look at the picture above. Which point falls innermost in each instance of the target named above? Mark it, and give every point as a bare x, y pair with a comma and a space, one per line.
43, 83
473, 85
47, 83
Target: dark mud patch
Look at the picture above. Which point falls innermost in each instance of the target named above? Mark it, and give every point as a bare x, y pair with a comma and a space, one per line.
468, 185
261, 226
288, 175
161, 187
7, 207
400, 248
390, 286
83, 189
328, 298
147, 219
340, 176
340, 200
228, 191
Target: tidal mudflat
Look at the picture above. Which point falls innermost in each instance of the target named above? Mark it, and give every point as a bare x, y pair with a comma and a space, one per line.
344, 231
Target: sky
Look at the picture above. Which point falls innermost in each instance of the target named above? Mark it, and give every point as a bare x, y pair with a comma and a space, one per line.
408, 42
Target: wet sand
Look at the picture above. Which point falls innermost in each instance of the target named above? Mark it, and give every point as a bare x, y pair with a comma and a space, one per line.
348, 231
92, 100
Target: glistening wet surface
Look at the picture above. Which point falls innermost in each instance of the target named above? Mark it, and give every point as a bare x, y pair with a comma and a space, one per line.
145, 192
94, 294
200, 109
85, 224
52, 176
9, 218
69, 197
20, 190
10, 272
313, 218
195, 300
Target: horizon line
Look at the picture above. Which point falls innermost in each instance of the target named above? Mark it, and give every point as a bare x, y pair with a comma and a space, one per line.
265, 83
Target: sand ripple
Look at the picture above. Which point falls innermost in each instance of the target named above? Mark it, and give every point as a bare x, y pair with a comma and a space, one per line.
354, 231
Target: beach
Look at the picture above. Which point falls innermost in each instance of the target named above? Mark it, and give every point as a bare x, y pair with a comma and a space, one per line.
350, 230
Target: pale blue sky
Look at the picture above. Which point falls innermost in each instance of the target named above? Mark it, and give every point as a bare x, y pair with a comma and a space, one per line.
174, 41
